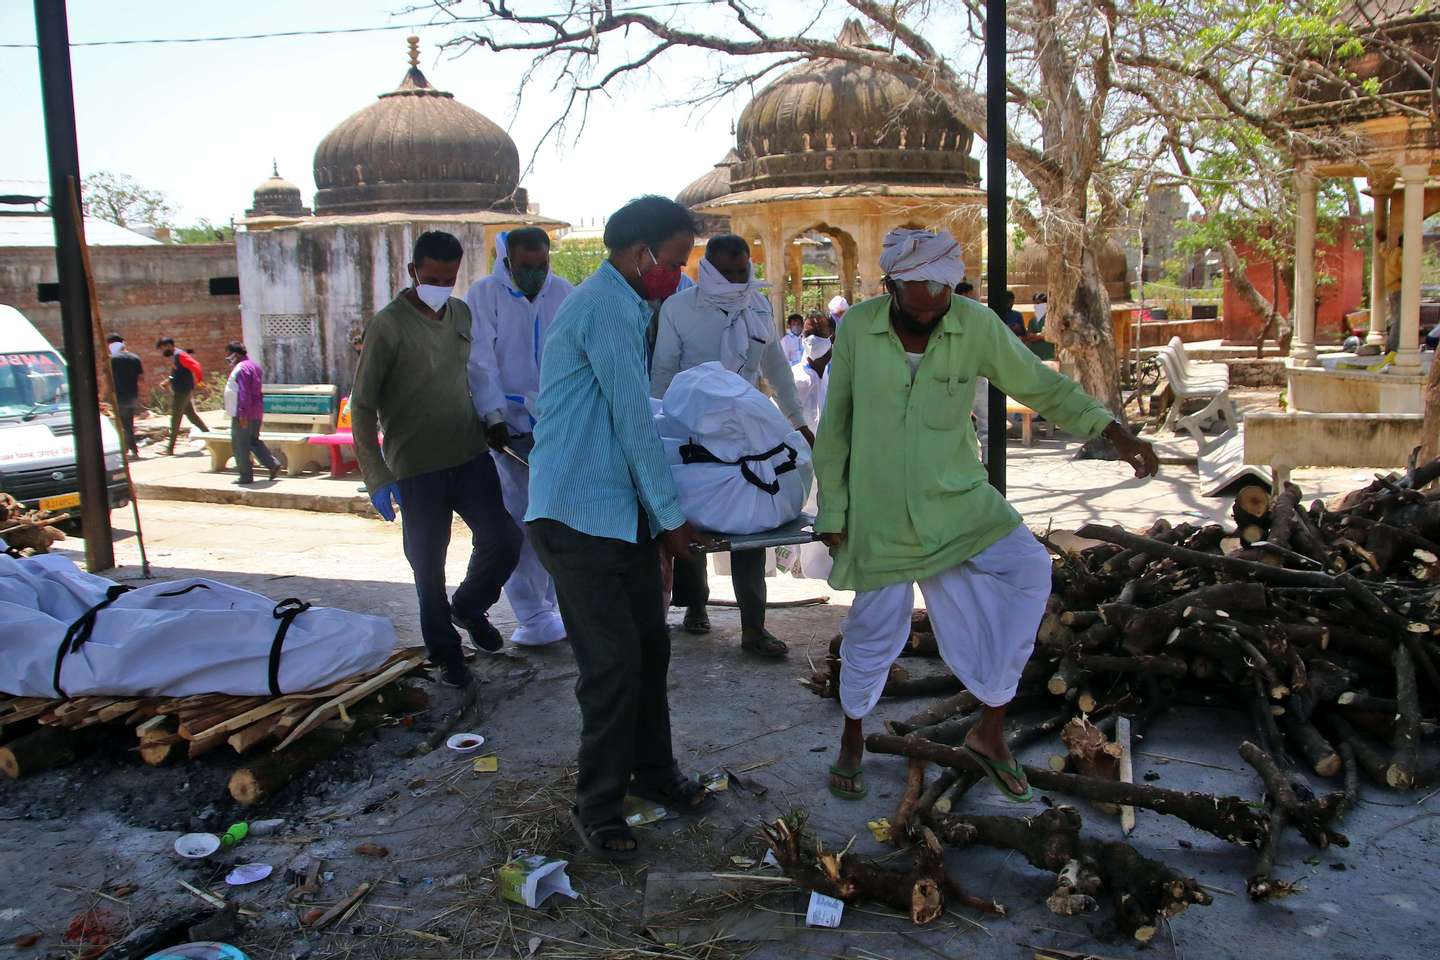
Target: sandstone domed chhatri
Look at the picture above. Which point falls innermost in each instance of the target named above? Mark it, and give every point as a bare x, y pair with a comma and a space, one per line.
844, 151
831, 121
714, 184
417, 149
277, 197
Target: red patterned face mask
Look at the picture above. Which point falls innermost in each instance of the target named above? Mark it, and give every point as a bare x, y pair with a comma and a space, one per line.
659, 281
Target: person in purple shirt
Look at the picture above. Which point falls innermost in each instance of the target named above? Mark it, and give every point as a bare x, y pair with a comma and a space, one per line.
245, 403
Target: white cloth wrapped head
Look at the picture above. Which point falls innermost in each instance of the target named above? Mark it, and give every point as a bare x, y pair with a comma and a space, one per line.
816, 347
908, 254
748, 311
838, 305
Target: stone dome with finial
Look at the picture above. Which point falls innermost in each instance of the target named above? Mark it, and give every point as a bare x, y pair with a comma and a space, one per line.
417, 149
715, 183
832, 121
277, 197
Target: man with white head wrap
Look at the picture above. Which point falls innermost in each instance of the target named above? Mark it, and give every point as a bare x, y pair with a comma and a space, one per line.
511, 311
810, 379
728, 318
837, 306
904, 499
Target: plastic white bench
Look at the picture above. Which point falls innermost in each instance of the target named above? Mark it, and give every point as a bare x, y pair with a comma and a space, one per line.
1213, 398
1199, 373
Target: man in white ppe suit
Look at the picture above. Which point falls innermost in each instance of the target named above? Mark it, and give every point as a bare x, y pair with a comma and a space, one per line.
512, 310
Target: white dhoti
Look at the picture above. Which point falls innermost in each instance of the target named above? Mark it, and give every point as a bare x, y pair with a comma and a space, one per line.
530, 590
984, 613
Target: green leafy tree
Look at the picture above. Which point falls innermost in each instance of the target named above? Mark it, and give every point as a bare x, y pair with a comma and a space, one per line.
120, 198
204, 231
575, 260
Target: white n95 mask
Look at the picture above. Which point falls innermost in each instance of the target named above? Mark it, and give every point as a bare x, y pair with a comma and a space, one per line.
432, 296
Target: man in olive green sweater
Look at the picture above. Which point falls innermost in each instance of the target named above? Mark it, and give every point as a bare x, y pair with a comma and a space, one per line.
412, 383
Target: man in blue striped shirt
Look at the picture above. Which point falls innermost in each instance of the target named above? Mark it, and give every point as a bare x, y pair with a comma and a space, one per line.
600, 495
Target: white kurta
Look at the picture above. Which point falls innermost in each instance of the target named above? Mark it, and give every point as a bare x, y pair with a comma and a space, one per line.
810, 390
508, 336
984, 612
690, 334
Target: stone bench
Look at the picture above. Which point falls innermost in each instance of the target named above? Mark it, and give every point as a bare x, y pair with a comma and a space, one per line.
293, 413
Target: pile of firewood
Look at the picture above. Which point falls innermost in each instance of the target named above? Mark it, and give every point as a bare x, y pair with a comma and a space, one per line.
28, 532
1318, 622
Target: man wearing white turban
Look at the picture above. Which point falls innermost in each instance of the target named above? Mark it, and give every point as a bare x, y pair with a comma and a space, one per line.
837, 306
726, 318
903, 498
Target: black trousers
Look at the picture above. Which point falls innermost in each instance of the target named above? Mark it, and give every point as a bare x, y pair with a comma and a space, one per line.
127, 410
181, 407
611, 601
747, 573
428, 502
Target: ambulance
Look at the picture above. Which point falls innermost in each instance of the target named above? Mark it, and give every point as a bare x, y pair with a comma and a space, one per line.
37, 435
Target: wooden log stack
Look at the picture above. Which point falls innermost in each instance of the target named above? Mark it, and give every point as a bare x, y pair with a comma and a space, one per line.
1320, 622
37, 734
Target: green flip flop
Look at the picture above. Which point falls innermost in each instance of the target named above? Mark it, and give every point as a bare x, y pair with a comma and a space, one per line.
993, 769
853, 775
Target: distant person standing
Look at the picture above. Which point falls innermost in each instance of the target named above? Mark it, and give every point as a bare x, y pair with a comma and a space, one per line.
810, 380
837, 306
245, 403
413, 378
794, 340
125, 372
511, 311
1035, 333
1394, 272
185, 374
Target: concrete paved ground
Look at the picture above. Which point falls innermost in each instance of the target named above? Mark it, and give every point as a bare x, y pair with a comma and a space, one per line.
448, 828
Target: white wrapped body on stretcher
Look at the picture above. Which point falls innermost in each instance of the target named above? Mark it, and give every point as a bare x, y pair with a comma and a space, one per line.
742, 471
65, 632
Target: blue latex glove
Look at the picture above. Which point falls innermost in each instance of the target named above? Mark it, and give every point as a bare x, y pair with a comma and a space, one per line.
382, 500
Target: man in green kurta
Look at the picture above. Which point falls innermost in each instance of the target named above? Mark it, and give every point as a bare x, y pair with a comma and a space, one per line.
904, 498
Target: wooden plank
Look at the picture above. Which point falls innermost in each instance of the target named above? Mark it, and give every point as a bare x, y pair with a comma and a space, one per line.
154, 724
117, 709
238, 721
330, 707
242, 740
1127, 775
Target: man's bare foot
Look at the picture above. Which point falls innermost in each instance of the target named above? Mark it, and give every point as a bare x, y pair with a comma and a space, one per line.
846, 780
987, 738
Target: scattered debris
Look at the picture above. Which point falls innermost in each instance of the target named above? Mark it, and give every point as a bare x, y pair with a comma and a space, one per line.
196, 846
368, 849
531, 881
465, 742
248, 873
28, 531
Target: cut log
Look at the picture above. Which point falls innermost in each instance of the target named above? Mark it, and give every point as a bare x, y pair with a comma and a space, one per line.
44, 748
1401, 773
1229, 818
1253, 500
1317, 751
923, 891
1127, 771
1147, 631
1143, 892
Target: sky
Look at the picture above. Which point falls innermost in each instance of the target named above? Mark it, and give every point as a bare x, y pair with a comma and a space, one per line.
203, 121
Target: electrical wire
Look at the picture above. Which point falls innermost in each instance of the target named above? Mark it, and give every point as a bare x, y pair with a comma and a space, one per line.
343, 30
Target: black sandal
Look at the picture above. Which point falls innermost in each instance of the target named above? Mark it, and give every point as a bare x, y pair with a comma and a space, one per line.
594, 838
696, 622
765, 645
682, 795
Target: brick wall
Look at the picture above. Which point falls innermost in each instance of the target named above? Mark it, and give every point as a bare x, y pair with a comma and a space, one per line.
1340, 260
144, 292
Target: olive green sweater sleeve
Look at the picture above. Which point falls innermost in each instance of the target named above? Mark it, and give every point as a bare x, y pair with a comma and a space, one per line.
377, 358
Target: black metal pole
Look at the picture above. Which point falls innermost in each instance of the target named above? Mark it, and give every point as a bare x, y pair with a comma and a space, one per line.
997, 240
53, 35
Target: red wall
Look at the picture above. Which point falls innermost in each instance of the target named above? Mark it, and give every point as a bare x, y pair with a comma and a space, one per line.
1340, 260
